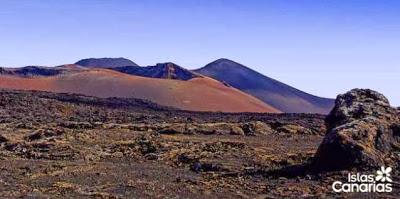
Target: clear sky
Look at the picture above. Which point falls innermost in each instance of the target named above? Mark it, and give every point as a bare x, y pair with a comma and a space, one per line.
319, 46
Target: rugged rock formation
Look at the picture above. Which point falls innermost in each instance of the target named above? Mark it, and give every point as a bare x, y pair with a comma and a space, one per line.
29, 71
162, 70
74, 146
254, 128
363, 132
37, 71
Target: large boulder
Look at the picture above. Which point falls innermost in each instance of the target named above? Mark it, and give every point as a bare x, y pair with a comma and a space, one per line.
362, 133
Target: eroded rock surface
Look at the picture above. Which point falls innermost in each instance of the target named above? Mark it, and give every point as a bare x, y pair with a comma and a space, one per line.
72, 146
363, 133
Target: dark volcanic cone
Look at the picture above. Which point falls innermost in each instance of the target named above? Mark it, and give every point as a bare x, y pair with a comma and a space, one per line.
105, 62
284, 97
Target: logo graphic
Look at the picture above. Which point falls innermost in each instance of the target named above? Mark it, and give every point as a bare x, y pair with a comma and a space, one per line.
381, 182
383, 174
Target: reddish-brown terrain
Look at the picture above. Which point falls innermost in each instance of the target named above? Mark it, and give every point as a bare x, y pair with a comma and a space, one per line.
71, 146
197, 94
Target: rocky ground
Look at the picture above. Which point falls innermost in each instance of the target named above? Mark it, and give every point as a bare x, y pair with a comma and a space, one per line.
71, 146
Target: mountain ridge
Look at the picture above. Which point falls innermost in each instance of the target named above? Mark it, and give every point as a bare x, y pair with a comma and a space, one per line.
228, 73
269, 90
167, 70
197, 94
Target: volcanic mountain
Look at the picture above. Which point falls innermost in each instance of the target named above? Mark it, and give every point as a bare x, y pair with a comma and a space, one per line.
105, 62
198, 93
163, 70
222, 85
270, 91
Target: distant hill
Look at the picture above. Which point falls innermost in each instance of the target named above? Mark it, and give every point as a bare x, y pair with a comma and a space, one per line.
166, 70
196, 94
163, 70
233, 87
32, 71
105, 62
270, 91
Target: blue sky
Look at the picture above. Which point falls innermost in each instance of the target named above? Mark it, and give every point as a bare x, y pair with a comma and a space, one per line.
319, 46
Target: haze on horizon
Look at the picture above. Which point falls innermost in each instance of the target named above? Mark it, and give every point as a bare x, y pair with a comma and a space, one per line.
321, 47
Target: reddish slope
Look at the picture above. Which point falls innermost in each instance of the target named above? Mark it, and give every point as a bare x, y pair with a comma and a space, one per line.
284, 97
198, 94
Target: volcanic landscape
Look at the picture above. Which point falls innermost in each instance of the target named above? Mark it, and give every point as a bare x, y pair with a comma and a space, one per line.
107, 128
